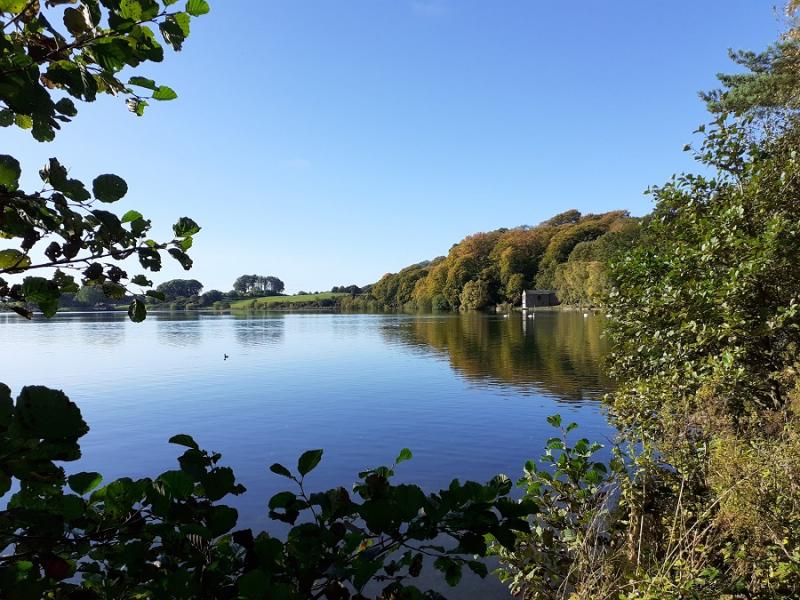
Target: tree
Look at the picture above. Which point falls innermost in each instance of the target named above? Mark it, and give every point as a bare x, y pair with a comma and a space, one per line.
44, 69
475, 295
89, 295
180, 288
258, 284
211, 296
716, 280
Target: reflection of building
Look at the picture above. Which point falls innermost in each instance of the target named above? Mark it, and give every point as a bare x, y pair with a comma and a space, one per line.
533, 298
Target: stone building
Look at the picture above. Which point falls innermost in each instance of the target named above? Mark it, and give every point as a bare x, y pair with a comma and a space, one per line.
534, 298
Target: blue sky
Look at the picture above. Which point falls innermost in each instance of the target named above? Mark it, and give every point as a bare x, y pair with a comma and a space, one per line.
330, 142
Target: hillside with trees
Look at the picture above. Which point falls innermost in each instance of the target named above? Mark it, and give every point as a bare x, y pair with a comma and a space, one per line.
568, 253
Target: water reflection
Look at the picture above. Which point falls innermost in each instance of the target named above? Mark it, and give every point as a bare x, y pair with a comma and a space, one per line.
558, 353
178, 330
254, 330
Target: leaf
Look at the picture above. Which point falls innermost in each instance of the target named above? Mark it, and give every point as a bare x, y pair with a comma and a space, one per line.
48, 414
6, 406
174, 29
478, 568
13, 261
554, 420
282, 500
66, 107
42, 292
141, 280
109, 188
219, 483
253, 585
23, 121
405, 454
164, 92
143, 82
308, 460
130, 9
185, 227
76, 21
197, 8
222, 519
184, 440
85, 482
137, 311
13, 6
279, 469
131, 215
181, 257
177, 484
10, 172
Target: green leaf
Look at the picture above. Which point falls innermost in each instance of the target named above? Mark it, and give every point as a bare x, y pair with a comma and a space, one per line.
175, 29
23, 121
219, 483
279, 469
185, 227
478, 568
164, 92
85, 482
6, 406
137, 311
130, 9
109, 188
13, 6
184, 440
13, 261
405, 454
66, 107
10, 172
282, 500
253, 585
308, 460
554, 420
141, 280
42, 292
181, 257
197, 7
143, 82
222, 519
450, 568
177, 484
48, 414
77, 21
131, 215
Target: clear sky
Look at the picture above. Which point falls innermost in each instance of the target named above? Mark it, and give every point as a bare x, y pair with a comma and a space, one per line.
329, 142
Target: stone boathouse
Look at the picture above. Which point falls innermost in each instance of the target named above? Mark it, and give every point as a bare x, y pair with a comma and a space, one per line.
534, 298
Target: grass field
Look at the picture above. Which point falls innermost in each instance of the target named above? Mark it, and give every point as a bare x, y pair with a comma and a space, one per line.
267, 301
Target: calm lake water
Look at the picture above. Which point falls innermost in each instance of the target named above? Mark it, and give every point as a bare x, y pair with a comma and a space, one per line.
468, 394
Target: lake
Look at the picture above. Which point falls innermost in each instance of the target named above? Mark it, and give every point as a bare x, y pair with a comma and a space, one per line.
468, 394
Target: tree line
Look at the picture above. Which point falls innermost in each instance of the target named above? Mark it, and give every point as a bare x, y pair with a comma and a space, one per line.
568, 253
179, 294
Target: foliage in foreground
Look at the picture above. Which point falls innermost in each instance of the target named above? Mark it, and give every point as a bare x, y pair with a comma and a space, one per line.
50, 57
171, 537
